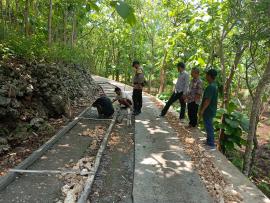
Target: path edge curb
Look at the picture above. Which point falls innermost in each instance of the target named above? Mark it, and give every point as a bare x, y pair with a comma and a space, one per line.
251, 193
10, 176
90, 180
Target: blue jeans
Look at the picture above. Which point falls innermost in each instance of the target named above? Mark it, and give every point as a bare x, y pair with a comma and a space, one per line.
208, 125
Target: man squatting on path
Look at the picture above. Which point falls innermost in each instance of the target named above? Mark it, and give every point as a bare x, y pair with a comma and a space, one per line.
180, 91
122, 98
104, 105
138, 83
209, 107
194, 97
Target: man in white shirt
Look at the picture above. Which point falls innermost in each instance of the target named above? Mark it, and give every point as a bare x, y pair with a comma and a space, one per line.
180, 91
122, 98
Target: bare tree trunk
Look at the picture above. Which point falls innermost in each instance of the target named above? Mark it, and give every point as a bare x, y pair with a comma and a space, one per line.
73, 34
65, 26
255, 147
26, 18
50, 24
227, 90
1, 9
153, 64
8, 10
16, 13
256, 104
162, 75
227, 87
222, 62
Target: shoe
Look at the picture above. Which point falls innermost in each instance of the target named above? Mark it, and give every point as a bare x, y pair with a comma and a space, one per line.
135, 113
160, 116
210, 148
182, 120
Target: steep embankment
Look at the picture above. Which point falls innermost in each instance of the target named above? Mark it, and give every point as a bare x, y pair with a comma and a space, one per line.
34, 96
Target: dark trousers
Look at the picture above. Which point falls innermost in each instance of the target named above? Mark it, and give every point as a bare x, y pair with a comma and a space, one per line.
193, 113
173, 98
137, 100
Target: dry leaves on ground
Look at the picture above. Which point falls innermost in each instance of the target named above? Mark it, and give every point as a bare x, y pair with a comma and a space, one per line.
210, 175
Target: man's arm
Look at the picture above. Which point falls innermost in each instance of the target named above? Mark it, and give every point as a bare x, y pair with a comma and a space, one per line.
204, 106
199, 92
186, 84
126, 102
207, 100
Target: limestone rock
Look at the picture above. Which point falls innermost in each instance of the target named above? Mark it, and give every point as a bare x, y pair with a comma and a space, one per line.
4, 101
36, 122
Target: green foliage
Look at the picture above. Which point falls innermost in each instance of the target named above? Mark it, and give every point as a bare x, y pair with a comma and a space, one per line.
125, 11
164, 96
265, 187
236, 123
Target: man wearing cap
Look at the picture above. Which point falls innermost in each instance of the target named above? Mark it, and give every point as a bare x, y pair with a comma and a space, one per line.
138, 83
104, 105
209, 107
180, 91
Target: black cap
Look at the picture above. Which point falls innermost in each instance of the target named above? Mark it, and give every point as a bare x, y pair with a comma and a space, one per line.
135, 63
212, 73
117, 89
181, 65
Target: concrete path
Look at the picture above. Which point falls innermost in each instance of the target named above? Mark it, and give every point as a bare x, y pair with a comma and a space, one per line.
163, 172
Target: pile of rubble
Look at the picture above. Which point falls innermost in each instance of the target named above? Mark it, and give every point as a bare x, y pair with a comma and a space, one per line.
33, 93
74, 183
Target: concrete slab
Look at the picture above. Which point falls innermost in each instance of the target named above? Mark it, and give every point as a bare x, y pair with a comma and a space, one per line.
163, 172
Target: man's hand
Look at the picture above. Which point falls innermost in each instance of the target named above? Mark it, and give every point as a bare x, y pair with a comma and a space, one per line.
200, 115
184, 98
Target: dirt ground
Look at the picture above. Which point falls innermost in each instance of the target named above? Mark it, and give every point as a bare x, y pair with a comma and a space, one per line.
33, 141
115, 176
261, 168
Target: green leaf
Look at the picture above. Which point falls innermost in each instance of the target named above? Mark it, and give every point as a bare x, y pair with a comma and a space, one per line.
228, 130
229, 145
244, 122
93, 6
125, 11
232, 123
201, 61
231, 107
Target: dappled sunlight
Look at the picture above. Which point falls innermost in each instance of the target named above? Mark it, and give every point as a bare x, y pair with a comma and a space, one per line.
146, 122
64, 145
156, 130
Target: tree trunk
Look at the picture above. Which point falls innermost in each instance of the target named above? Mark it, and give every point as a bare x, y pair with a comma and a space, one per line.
162, 76
255, 147
227, 91
1, 10
256, 104
50, 24
73, 34
65, 26
153, 64
16, 14
8, 10
26, 18
222, 62
227, 87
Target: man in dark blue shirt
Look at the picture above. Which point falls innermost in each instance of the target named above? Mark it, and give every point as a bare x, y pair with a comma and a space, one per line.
104, 107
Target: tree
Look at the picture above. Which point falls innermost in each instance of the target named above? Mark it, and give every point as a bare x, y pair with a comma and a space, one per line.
256, 105
50, 23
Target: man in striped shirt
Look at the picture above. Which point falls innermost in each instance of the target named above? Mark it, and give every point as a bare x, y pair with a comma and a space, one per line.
180, 91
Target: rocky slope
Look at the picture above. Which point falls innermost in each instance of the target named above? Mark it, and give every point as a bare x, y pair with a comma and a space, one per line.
30, 94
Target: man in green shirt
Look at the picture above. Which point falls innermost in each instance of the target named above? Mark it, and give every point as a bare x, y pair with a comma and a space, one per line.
209, 107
